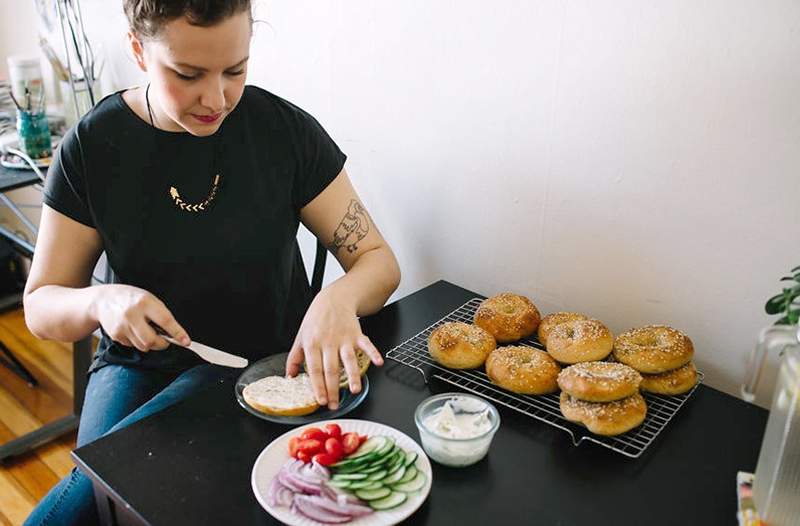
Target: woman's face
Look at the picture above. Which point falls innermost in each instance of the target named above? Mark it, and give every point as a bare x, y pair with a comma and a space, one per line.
197, 74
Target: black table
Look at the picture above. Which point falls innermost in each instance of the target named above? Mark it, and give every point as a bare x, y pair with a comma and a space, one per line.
191, 463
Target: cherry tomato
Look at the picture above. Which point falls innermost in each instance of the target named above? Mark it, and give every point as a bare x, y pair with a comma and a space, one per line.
350, 442
305, 457
324, 459
314, 433
362, 439
334, 448
310, 446
333, 430
294, 442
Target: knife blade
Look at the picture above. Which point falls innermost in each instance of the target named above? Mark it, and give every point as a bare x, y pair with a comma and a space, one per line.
205, 352
211, 354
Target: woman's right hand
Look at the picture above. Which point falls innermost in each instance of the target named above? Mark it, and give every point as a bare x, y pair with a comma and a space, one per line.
126, 314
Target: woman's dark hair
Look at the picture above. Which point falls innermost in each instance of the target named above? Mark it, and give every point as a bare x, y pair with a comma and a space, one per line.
147, 17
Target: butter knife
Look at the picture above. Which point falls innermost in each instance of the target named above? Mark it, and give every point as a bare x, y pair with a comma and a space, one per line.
205, 352
211, 354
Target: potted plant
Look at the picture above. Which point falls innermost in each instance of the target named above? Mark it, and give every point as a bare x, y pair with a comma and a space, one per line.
788, 301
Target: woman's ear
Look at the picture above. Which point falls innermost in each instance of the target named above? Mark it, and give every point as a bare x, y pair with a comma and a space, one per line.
138, 50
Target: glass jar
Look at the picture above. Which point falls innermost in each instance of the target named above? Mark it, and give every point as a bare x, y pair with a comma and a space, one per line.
776, 488
34, 134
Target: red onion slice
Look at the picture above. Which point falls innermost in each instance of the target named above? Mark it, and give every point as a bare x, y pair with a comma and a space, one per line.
284, 497
321, 470
302, 504
272, 491
332, 506
298, 484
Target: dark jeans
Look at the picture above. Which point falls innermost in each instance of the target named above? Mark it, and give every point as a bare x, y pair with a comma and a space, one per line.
116, 396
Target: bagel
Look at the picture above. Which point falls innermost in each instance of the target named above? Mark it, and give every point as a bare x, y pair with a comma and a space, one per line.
674, 382
460, 345
508, 317
605, 418
281, 395
599, 381
556, 318
579, 341
523, 370
653, 349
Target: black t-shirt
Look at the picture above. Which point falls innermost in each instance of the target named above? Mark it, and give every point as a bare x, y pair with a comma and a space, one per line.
224, 258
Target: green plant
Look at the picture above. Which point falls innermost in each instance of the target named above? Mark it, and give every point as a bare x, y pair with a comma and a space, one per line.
788, 301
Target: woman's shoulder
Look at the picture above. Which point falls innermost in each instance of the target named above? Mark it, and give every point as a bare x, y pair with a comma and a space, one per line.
259, 99
107, 118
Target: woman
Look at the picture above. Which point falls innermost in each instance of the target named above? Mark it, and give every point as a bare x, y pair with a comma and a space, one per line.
194, 186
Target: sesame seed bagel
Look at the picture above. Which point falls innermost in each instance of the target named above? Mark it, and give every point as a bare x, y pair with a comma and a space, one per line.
553, 319
460, 345
282, 396
523, 370
605, 418
508, 317
599, 381
675, 382
653, 349
579, 341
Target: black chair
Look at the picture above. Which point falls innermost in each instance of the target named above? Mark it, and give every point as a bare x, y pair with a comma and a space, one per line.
319, 268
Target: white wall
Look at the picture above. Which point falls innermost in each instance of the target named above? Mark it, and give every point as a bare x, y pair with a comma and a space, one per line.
18, 24
634, 160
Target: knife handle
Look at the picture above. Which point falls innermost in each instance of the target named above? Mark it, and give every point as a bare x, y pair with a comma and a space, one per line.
161, 332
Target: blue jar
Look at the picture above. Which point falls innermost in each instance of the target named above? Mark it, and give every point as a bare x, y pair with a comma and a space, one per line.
34, 134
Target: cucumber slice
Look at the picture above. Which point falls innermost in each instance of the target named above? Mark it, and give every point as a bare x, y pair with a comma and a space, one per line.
373, 494
359, 484
394, 499
411, 457
371, 469
388, 457
378, 475
375, 485
389, 446
395, 477
385, 461
349, 476
372, 444
411, 472
398, 463
343, 484
352, 467
413, 485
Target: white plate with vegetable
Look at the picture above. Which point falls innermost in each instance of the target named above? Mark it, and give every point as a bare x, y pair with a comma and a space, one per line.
383, 482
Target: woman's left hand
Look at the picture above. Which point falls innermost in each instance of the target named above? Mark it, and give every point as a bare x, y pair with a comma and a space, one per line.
330, 331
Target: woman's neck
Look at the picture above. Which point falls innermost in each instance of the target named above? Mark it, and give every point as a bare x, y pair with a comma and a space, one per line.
136, 99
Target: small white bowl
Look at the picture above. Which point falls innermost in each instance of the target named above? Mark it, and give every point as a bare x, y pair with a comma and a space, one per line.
456, 452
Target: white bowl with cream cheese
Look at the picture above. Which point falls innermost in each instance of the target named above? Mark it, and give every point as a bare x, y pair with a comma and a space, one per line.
456, 429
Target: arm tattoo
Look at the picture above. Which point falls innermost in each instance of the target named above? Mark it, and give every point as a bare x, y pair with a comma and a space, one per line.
353, 228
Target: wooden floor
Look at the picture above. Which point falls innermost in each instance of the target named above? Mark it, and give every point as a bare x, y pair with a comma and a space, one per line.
26, 479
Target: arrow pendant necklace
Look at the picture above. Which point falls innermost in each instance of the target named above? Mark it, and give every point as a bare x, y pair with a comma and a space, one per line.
177, 200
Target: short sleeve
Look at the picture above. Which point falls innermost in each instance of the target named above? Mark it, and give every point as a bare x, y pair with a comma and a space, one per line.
321, 161
65, 186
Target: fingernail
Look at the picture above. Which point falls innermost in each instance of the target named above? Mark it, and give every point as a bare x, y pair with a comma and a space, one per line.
323, 401
333, 406
355, 388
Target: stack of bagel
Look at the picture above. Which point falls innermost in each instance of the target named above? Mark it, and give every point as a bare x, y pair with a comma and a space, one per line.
602, 377
603, 396
662, 354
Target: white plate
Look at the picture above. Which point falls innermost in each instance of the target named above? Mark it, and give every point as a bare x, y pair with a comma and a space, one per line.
275, 455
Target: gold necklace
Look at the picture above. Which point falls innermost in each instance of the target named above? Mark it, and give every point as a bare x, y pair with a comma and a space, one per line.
203, 205
196, 207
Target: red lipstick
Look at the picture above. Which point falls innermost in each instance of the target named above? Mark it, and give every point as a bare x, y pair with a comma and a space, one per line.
207, 119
